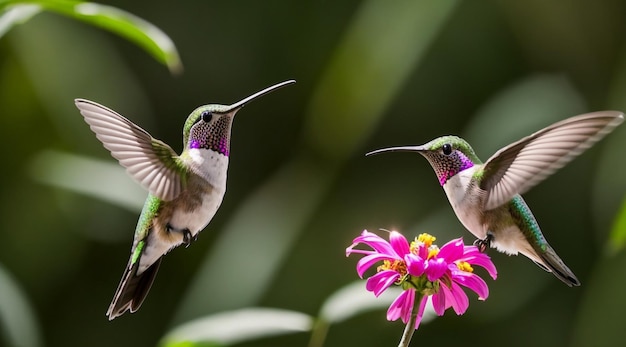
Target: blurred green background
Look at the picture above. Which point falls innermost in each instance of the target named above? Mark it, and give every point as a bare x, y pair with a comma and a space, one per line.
369, 74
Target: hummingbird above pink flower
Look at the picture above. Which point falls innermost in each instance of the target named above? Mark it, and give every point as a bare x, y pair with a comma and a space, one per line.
486, 196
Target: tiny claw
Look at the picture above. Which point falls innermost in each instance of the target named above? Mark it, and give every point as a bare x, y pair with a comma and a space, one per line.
484, 243
187, 237
481, 245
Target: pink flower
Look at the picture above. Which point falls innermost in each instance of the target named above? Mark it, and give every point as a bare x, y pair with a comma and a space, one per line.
422, 269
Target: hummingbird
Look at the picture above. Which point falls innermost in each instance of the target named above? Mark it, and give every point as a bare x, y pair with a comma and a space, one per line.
486, 196
185, 191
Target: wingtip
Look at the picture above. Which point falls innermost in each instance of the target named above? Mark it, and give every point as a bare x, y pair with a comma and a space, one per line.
617, 115
80, 101
618, 118
112, 315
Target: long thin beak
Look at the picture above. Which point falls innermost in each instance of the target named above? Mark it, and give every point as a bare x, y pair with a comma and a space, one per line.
240, 104
398, 149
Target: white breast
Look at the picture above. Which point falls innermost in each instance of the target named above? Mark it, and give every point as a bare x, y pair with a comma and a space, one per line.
207, 165
210, 165
196, 221
159, 243
464, 205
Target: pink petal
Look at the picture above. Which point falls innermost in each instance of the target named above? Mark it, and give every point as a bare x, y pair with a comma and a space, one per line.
439, 302
470, 249
451, 251
420, 312
444, 295
409, 302
399, 243
422, 251
456, 298
415, 264
379, 244
366, 262
350, 250
473, 282
381, 281
401, 307
435, 268
475, 257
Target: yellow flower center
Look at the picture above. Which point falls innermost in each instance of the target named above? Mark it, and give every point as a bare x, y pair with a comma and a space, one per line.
397, 265
426, 239
464, 266
432, 252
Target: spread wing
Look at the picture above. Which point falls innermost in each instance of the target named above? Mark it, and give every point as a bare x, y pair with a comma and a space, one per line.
151, 162
521, 165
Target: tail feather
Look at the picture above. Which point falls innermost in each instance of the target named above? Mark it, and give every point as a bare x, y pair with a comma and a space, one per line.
132, 290
551, 262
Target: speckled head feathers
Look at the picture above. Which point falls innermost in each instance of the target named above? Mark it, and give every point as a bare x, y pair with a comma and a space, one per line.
448, 155
209, 126
208, 129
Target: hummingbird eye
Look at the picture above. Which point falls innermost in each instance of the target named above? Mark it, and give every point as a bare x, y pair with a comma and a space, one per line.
447, 149
206, 116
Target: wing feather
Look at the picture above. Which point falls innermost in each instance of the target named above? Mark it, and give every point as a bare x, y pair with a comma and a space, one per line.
521, 165
149, 161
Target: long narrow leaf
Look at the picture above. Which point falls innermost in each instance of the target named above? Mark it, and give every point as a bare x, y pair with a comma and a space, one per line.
353, 300
105, 180
17, 320
15, 15
617, 237
125, 24
228, 328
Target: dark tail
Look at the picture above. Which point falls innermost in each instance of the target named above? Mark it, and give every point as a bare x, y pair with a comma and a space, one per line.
554, 264
132, 290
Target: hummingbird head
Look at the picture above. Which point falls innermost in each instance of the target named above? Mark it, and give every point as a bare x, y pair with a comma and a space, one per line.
209, 126
448, 155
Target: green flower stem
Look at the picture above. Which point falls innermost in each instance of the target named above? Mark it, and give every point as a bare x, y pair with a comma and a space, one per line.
318, 333
410, 326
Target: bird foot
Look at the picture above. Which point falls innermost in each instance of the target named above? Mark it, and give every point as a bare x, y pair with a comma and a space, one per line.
188, 238
484, 244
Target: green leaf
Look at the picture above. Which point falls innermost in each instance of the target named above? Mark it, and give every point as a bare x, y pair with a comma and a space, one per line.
601, 308
125, 24
617, 238
608, 199
15, 15
228, 328
351, 300
354, 101
105, 180
354, 299
17, 320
